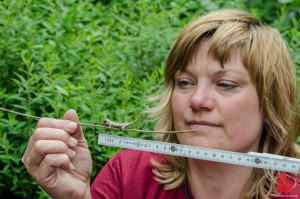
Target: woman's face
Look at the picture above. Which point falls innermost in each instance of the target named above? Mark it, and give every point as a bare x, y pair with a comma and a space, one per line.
220, 104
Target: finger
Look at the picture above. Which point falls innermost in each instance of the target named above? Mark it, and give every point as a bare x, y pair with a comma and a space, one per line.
50, 163
66, 125
43, 147
71, 115
54, 134
49, 134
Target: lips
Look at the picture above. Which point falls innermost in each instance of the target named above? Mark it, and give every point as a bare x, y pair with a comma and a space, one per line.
202, 123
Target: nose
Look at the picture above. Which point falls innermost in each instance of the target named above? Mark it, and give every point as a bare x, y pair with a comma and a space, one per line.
202, 99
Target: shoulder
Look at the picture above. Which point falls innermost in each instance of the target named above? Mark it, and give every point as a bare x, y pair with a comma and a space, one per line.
142, 157
133, 161
129, 162
129, 174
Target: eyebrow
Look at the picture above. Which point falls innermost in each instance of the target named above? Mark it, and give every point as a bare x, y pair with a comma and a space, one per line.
217, 73
224, 71
183, 71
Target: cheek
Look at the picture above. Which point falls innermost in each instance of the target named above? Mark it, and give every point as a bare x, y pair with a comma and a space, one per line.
174, 106
245, 117
178, 107
240, 109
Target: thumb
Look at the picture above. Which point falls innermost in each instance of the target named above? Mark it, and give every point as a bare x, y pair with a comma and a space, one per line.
72, 116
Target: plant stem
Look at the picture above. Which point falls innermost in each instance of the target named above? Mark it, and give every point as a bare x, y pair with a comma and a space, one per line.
97, 125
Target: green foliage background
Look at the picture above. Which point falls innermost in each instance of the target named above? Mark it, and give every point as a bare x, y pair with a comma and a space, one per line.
103, 58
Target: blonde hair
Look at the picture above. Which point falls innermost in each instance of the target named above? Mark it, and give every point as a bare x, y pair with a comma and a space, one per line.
268, 62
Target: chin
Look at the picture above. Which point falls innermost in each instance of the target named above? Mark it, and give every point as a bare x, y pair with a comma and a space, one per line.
199, 143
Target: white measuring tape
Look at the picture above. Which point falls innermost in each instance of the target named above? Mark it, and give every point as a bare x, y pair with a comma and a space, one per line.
251, 159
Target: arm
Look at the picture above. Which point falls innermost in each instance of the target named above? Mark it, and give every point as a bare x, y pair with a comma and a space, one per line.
58, 158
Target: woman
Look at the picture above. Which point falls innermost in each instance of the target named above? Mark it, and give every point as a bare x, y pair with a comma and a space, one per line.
229, 78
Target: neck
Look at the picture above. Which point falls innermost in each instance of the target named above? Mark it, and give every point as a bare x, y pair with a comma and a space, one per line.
217, 180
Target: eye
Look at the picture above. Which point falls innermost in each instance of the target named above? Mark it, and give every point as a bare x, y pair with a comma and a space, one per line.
226, 85
184, 84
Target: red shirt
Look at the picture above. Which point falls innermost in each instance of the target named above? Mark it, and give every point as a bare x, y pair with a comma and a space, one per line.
128, 175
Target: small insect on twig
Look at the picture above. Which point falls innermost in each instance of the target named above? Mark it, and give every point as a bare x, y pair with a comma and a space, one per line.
107, 124
122, 126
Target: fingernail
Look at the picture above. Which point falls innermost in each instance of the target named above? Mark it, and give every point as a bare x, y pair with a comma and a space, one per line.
73, 142
71, 126
72, 166
71, 153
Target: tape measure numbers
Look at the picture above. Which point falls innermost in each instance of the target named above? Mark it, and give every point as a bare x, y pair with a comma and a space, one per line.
251, 159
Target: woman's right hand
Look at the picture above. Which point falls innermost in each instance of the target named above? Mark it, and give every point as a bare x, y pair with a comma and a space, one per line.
58, 158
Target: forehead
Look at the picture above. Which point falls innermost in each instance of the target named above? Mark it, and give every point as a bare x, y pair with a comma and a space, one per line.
203, 58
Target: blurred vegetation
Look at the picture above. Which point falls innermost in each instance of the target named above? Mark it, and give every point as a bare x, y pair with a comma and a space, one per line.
102, 58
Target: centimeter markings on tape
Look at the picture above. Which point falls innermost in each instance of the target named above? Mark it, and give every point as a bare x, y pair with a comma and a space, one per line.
251, 159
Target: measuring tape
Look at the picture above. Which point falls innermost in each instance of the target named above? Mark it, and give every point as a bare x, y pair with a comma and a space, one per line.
251, 159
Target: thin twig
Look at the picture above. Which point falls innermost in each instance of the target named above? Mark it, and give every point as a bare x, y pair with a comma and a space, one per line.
22, 114
96, 125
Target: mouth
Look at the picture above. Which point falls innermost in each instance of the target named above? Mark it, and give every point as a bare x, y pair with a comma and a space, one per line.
202, 123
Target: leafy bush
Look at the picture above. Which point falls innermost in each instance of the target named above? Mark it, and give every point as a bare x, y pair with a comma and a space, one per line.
101, 58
